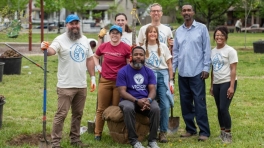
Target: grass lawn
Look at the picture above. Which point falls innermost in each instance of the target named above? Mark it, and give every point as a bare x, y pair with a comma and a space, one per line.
22, 113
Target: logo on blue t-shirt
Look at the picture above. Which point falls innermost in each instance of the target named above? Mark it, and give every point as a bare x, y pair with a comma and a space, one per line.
217, 62
139, 79
77, 52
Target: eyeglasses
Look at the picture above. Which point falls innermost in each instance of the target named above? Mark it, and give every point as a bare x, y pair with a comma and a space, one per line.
153, 11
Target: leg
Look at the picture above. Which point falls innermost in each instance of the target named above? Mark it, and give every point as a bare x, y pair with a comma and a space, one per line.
104, 97
187, 106
198, 90
154, 116
128, 109
216, 91
116, 96
64, 102
78, 103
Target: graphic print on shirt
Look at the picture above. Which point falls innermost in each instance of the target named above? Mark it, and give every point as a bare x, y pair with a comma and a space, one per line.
125, 40
217, 62
138, 79
77, 52
153, 60
162, 37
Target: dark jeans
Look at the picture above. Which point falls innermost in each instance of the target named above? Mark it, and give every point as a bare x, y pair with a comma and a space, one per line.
223, 103
238, 29
193, 104
129, 110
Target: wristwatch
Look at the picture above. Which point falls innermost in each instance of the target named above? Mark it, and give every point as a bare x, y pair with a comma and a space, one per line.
136, 101
150, 100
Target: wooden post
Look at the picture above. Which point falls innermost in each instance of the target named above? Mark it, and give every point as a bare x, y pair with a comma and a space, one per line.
134, 30
30, 26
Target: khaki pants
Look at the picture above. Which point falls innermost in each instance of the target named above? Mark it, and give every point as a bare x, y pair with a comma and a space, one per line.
73, 98
107, 95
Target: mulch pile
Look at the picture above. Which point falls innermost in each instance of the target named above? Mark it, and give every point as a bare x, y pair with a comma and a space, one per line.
10, 54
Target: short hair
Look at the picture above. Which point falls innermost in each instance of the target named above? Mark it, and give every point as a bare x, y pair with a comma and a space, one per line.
155, 4
137, 47
223, 30
92, 44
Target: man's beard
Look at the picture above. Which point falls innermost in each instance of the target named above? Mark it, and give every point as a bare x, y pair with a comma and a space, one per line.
74, 35
138, 65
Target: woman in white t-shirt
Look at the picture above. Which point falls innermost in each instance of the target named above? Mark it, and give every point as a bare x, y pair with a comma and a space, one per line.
223, 80
158, 58
120, 20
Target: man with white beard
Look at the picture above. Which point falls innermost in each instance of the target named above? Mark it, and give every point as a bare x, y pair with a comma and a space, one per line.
74, 57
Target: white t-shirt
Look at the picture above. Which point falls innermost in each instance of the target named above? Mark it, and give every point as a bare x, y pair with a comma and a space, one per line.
126, 38
164, 33
221, 60
72, 57
154, 61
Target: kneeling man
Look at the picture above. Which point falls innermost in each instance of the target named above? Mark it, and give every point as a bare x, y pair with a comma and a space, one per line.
136, 86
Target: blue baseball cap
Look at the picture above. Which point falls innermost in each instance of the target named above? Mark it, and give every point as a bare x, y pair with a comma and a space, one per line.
116, 27
72, 17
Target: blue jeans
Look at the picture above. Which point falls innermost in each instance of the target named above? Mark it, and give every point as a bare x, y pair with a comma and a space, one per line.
164, 102
193, 104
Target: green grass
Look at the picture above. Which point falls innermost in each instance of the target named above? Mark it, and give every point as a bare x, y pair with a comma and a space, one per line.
24, 94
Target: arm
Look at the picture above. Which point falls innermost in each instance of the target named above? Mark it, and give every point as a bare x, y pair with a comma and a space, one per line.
96, 59
125, 95
206, 49
231, 89
170, 69
90, 65
175, 53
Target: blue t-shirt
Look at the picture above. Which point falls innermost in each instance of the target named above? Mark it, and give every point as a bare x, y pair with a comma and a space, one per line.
136, 81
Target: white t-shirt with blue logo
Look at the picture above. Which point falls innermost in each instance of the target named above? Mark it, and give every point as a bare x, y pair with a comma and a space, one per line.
221, 60
72, 57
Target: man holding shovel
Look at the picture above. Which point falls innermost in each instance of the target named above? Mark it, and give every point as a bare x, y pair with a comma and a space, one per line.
74, 57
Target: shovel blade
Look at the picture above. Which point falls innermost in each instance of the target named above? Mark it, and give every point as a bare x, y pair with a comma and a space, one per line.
44, 144
174, 123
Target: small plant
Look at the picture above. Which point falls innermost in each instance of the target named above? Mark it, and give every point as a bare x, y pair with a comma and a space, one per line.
10, 54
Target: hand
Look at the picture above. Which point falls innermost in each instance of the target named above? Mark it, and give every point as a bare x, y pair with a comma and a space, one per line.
170, 41
93, 84
99, 68
102, 33
171, 84
144, 104
230, 93
204, 75
211, 91
44, 45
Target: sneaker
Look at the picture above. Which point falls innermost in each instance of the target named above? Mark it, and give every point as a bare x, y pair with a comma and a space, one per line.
202, 138
186, 135
227, 138
163, 137
138, 145
97, 138
222, 134
79, 144
153, 145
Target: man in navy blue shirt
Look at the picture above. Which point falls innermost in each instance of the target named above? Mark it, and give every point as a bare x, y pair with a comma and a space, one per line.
136, 86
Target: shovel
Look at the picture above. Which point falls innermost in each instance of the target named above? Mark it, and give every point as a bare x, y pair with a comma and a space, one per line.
44, 143
173, 123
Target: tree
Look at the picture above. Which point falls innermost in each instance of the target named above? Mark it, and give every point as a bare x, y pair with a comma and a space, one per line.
8, 7
80, 6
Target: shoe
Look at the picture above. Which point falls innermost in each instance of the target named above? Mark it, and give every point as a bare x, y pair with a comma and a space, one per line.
227, 138
97, 138
186, 135
79, 144
138, 145
153, 145
163, 137
202, 138
222, 135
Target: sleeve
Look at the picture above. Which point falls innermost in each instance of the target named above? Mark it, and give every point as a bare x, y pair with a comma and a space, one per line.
232, 56
175, 53
141, 35
206, 50
121, 78
55, 45
167, 53
99, 50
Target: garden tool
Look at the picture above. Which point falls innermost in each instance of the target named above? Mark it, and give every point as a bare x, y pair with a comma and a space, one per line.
44, 143
24, 56
173, 123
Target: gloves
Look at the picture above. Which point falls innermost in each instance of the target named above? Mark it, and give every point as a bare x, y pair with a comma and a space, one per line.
44, 45
93, 84
99, 68
171, 84
102, 33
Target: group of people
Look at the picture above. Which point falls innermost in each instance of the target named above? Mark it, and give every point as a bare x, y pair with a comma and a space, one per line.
144, 84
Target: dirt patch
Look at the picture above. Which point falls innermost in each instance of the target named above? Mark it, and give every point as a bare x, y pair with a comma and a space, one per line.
33, 139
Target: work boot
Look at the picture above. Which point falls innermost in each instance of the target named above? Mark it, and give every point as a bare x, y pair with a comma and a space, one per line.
163, 137
187, 135
79, 144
